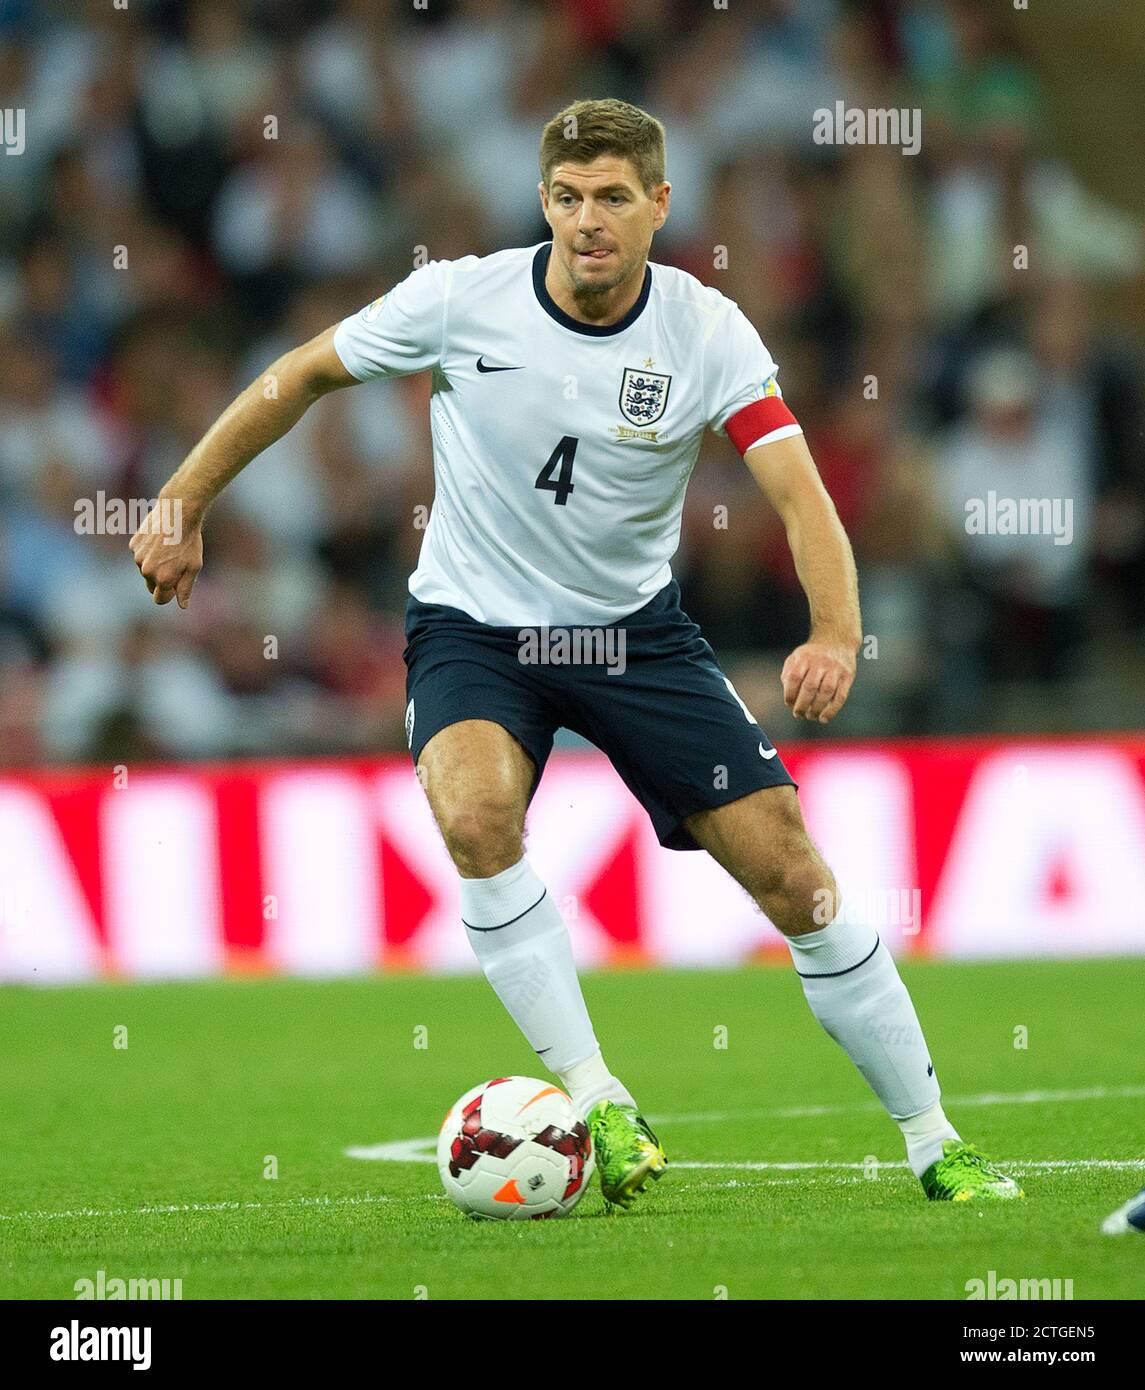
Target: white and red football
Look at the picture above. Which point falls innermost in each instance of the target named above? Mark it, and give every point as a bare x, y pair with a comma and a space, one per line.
514, 1149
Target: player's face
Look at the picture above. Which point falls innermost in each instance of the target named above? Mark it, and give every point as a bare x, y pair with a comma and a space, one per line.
602, 221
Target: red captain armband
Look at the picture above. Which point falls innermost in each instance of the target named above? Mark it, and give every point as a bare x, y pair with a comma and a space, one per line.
757, 422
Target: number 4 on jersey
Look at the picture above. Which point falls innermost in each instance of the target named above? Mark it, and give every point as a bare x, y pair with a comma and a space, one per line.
562, 484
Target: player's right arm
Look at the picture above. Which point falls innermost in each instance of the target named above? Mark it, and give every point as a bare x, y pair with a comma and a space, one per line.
170, 559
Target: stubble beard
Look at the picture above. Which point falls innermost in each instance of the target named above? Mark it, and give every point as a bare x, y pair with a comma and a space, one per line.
591, 292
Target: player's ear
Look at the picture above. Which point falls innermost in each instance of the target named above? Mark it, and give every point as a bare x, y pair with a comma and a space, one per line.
544, 192
661, 195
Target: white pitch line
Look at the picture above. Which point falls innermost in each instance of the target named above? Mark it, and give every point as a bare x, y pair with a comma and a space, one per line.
420, 1151
798, 1112
414, 1150
812, 1170
398, 1150
169, 1209
847, 1180
1017, 1165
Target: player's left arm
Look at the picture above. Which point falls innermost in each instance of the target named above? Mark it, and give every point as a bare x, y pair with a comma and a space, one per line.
817, 676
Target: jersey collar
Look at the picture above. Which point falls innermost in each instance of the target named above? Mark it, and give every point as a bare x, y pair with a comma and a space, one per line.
591, 330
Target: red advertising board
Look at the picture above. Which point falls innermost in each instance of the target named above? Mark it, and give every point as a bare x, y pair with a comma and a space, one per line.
954, 848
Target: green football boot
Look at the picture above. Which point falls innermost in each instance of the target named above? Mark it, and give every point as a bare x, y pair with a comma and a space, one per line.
627, 1152
963, 1174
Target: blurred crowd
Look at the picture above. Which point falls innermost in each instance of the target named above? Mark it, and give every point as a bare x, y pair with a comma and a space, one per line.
205, 183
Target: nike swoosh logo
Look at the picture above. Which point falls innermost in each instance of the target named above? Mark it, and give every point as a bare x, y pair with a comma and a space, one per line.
483, 367
770, 753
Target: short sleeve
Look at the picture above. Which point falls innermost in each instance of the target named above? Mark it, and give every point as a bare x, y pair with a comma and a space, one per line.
401, 331
741, 389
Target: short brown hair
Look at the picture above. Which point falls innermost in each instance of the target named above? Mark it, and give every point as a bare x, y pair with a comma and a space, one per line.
587, 129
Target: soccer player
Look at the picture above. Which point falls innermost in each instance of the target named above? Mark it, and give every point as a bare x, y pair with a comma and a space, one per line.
572, 384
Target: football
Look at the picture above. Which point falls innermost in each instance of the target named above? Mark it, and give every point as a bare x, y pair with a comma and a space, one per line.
514, 1149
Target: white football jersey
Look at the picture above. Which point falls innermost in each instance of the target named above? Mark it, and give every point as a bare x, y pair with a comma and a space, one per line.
561, 449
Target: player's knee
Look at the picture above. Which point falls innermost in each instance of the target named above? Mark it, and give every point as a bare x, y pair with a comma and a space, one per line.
483, 837
794, 887
810, 896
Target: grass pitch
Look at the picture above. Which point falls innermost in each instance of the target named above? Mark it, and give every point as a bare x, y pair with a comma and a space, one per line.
149, 1160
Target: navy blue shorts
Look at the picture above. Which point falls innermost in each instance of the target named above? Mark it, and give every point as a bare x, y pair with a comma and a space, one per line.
653, 699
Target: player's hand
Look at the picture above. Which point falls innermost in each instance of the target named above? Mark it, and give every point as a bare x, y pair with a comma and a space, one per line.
817, 679
169, 565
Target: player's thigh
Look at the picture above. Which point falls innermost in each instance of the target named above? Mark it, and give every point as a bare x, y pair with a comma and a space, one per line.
761, 840
480, 731
477, 777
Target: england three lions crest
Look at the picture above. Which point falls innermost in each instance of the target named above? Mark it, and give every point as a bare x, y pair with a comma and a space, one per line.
643, 395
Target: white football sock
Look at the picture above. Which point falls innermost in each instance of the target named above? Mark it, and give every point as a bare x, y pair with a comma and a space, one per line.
590, 1081
522, 942
854, 989
924, 1135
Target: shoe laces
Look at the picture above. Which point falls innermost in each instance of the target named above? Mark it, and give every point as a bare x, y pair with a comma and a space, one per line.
972, 1157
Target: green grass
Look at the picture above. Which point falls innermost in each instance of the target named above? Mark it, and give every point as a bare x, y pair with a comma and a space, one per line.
217, 1076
